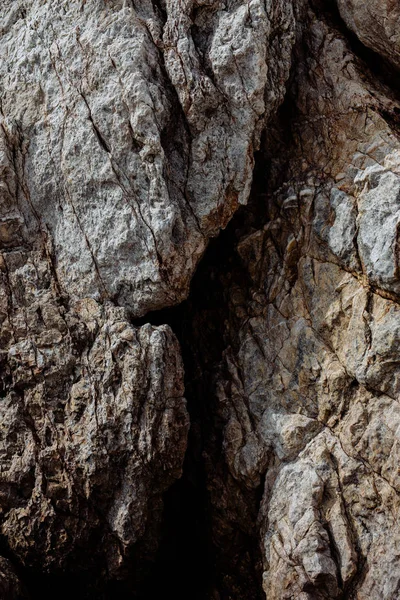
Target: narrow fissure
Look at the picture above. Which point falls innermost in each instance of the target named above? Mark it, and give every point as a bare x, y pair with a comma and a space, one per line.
187, 562
190, 562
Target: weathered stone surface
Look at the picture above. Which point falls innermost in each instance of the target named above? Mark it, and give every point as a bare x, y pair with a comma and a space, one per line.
127, 134
308, 388
127, 139
376, 23
93, 425
135, 127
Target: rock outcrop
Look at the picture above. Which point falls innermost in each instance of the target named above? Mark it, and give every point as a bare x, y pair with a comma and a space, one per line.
307, 393
376, 24
128, 132
134, 126
93, 425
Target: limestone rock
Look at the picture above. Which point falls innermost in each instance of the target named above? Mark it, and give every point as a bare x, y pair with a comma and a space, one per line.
93, 425
134, 127
128, 132
127, 135
376, 24
308, 387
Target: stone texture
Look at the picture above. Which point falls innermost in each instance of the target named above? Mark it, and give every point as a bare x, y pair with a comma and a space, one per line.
135, 127
306, 395
127, 134
93, 430
127, 139
376, 23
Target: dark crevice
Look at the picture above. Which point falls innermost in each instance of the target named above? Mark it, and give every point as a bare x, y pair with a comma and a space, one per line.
193, 561
100, 138
187, 563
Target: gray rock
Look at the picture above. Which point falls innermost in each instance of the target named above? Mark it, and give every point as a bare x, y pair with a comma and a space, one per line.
134, 137
127, 139
307, 394
379, 215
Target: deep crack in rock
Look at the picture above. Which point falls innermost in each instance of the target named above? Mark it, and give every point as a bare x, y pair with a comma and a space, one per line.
199, 299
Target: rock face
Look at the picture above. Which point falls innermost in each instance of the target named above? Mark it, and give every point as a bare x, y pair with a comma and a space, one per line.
308, 388
93, 424
376, 24
127, 139
135, 127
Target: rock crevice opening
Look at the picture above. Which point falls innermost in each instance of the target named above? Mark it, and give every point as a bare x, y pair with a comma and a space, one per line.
242, 442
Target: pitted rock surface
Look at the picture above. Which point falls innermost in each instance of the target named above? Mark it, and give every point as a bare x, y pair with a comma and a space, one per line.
307, 392
135, 127
94, 425
128, 133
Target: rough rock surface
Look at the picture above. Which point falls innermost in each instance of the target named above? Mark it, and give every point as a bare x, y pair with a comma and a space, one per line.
307, 394
127, 139
93, 424
10, 585
376, 23
135, 127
